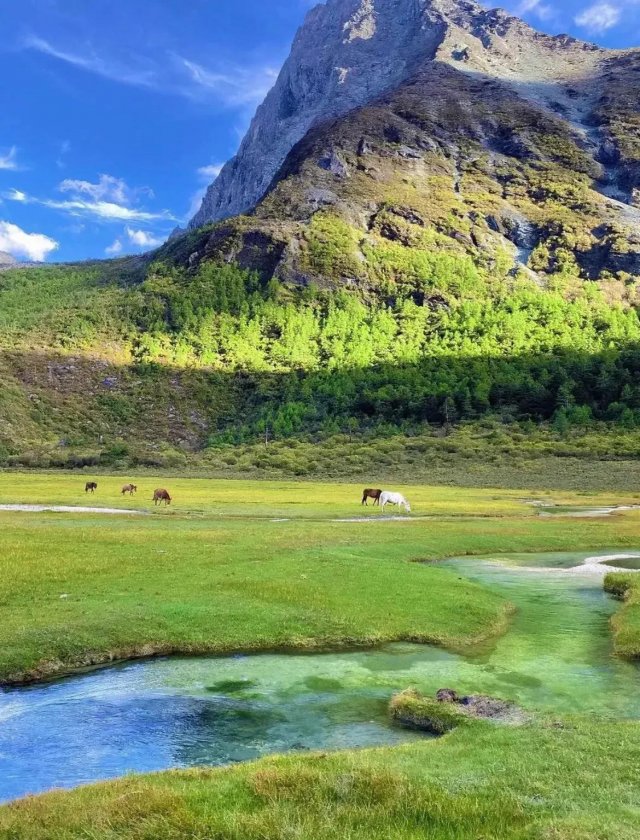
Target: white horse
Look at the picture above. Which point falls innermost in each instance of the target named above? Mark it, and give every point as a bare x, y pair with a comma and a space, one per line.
397, 499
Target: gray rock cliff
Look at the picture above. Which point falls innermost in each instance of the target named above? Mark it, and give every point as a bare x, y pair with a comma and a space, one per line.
348, 52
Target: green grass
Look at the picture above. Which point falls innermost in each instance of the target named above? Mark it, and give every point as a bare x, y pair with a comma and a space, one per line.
214, 573
626, 624
414, 710
571, 780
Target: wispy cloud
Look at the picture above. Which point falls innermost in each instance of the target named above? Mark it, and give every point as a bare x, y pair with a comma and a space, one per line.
206, 174
543, 11
65, 148
599, 17
235, 86
103, 210
91, 62
230, 85
108, 200
32, 246
8, 159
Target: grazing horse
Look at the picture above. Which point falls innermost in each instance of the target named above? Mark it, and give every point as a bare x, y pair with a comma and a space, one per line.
90, 487
130, 489
162, 496
371, 494
394, 499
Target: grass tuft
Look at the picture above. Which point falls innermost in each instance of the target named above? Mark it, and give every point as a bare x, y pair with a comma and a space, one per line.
414, 710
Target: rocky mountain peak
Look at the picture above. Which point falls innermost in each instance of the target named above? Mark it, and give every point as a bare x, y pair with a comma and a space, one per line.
349, 52
6, 260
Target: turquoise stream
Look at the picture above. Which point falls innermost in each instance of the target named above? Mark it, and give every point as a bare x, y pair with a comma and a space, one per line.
158, 714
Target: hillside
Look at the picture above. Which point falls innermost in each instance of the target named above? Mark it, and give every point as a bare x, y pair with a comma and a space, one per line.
461, 247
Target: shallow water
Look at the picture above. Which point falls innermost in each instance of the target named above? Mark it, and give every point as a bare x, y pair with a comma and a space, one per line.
582, 511
631, 563
185, 712
69, 509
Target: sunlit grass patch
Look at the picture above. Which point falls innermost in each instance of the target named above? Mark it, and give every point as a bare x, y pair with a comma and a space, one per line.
626, 623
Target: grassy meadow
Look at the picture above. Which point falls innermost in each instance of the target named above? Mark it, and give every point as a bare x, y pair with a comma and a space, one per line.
254, 566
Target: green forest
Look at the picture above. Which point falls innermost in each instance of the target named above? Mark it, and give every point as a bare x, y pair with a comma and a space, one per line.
425, 338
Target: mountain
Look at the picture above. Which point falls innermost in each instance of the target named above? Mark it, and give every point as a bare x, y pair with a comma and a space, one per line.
404, 116
444, 229
350, 51
6, 260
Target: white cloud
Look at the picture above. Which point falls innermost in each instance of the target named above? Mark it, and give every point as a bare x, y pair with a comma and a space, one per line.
137, 238
599, 17
104, 210
142, 238
114, 249
110, 199
16, 195
210, 172
108, 188
18, 243
8, 159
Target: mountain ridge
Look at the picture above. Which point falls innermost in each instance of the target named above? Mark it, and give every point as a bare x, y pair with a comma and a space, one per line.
548, 171
335, 66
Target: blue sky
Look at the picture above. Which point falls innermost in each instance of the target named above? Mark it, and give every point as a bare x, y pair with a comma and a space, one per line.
116, 113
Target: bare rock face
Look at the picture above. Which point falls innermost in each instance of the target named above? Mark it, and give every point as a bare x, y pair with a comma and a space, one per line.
7, 261
349, 52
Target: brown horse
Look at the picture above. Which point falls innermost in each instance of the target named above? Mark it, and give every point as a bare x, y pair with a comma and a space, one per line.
371, 494
162, 496
130, 489
90, 487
